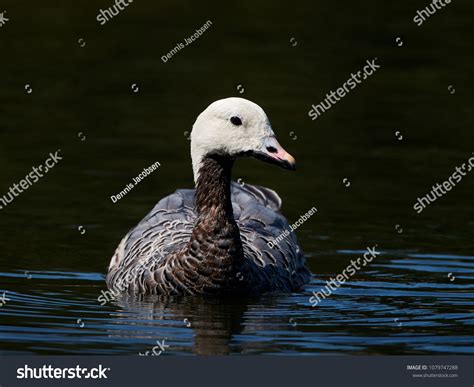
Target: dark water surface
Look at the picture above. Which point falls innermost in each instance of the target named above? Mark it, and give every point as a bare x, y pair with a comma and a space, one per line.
417, 297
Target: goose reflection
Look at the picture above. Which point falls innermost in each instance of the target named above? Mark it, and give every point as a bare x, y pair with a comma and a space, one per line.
212, 321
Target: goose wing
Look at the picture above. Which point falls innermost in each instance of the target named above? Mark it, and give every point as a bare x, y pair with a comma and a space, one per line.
168, 227
267, 238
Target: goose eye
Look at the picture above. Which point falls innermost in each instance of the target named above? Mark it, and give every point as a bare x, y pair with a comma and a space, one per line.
236, 121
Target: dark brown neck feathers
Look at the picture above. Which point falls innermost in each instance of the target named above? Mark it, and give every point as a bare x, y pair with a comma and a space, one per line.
215, 245
213, 188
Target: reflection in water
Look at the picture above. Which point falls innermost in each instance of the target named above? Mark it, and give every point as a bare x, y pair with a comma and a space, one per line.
404, 304
212, 321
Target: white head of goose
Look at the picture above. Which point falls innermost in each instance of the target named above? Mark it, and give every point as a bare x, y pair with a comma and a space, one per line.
215, 239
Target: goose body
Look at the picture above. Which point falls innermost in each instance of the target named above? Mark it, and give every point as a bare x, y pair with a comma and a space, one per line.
215, 239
